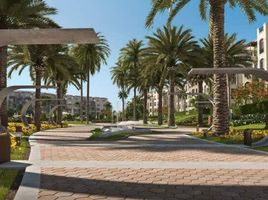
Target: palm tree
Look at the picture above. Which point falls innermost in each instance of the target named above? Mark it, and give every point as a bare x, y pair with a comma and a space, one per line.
156, 74
62, 72
171, 46
119, 77
37, 58
90, 57
217, 18
20, 14
131, 56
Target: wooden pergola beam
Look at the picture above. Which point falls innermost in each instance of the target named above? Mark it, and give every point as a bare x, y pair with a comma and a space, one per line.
47, 36
260, 73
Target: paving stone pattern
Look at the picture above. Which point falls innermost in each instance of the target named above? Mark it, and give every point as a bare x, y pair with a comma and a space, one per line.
65, 183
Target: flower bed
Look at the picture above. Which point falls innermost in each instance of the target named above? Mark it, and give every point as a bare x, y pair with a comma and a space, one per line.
27, 131
234, 137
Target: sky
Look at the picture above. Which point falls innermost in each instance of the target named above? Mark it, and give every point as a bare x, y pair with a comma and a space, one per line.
122, 20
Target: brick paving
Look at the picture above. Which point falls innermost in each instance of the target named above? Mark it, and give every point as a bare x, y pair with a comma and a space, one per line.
105, 182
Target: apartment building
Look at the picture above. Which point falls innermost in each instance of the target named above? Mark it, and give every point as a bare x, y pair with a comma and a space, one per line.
262, 40
97, 104
17, 99
259, 51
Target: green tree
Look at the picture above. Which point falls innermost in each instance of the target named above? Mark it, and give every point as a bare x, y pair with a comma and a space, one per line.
172, 46
62, 71
119, 77
90, 57
20, 14
131, 56
217, 19
38, 59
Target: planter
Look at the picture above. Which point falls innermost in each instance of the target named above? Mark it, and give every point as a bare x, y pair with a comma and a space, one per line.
4, 148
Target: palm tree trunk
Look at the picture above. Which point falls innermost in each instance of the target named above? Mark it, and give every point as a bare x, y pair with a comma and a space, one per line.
145, 112
171, 110
160, 105
81, 101
87, 105
123, 109
134, 105
220, 112
37, 115
200, 109
3, 84
59, 96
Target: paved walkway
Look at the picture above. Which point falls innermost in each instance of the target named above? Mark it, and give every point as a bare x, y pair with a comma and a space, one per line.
64, 166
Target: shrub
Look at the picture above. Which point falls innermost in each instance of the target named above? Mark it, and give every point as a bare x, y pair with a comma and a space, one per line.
249, 119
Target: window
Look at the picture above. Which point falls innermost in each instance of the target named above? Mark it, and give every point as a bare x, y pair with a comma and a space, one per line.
262, 63
261, 29
261, 46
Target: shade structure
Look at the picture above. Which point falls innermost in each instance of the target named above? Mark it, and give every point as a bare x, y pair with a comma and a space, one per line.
262, 74
48, 36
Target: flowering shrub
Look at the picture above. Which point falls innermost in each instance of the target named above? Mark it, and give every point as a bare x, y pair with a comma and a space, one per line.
249, 119
13, 143
236, 136
27, 131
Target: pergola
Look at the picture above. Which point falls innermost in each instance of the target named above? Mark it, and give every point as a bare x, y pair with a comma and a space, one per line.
38, 37
262, 74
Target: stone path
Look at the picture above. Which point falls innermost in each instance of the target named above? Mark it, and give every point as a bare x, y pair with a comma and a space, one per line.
64, 166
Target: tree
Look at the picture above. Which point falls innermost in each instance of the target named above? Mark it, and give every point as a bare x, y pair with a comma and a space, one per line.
171, 46
119, 77
62, 71
131, 56
20, 14
108, 109
217, 18
157, 74
90, 57
38, 59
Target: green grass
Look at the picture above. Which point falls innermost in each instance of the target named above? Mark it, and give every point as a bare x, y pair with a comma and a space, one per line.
7, 178
262, 148
183, 116
21, 151
223, 140
74, 122
250, 126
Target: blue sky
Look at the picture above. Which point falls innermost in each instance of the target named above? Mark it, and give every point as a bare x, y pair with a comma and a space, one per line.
122, 20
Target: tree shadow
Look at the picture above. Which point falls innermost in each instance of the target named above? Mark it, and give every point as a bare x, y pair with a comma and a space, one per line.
122, 189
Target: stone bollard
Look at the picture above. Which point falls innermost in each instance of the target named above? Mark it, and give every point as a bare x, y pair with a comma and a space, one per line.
248, 137
4, 148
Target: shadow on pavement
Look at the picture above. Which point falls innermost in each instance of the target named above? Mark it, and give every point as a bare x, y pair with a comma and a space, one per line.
149, 190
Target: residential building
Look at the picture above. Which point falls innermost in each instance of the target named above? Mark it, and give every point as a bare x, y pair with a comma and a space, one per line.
17, 99
262, 40
185, 102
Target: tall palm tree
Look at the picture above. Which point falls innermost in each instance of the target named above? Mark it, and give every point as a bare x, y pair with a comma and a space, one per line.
119, 77
157, 74
131, 56
62, 72
172, 46
217, 18
20, 14
37, 58
90, 57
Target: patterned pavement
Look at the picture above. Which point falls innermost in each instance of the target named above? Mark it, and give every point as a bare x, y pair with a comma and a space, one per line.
77, 181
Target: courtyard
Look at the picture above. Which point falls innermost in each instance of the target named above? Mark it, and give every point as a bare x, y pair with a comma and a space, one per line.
171, 165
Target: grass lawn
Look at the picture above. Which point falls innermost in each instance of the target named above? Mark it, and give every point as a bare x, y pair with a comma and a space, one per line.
250, 126
7, 177
182, 116
223, 140
262, 148
74, 122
